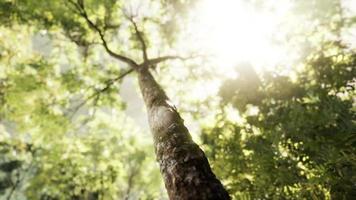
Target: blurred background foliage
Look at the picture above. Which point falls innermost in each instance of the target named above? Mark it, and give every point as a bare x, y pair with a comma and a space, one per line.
53, 149
282, 134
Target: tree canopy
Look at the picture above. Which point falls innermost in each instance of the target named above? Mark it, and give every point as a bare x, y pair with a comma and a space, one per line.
68, 132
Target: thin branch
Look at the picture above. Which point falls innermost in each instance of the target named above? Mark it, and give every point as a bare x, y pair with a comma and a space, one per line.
19, 179
97, 93
14, 186
75, 9
79, 5
82, 12
76, 6
155, 61
139, 36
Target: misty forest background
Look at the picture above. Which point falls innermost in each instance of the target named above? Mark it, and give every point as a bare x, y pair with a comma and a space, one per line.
72, 128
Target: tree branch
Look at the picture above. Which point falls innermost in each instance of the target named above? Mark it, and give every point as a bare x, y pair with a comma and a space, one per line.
19, 179
79, 5
14, 186
155, 61
97, 93
139, 36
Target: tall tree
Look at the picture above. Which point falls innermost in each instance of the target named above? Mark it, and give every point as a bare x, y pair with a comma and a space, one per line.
184, 166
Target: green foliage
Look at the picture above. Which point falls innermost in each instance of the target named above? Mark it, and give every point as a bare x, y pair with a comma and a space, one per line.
60, 138
290, 134
300, 144
79, 167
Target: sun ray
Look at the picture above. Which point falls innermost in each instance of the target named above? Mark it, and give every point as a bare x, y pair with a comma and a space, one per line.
234, 31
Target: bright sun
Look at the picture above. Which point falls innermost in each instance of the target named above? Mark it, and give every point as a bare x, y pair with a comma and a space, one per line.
235, 32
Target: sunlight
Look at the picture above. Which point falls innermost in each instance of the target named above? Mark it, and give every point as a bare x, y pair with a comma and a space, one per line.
235, 32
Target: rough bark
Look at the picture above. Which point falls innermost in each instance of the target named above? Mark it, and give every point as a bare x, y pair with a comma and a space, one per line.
184, 166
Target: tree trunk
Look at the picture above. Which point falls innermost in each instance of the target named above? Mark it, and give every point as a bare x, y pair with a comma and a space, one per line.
184, 167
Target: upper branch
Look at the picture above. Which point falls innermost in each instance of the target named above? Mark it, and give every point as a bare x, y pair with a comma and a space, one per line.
139, 36
80, 9
79, 5
158, 60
